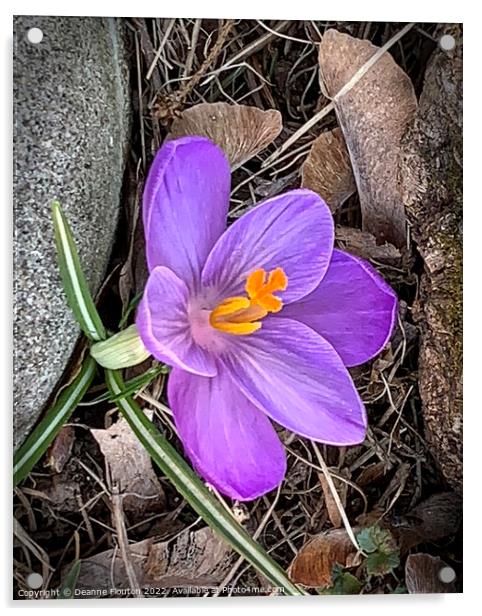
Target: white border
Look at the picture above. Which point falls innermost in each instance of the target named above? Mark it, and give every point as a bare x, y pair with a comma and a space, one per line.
408, 10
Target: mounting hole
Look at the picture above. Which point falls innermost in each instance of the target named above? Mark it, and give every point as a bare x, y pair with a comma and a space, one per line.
446, 575
35, 36
447, 42
34, 580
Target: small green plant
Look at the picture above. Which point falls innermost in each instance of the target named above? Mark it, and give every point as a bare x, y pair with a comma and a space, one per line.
382, 552
344, 583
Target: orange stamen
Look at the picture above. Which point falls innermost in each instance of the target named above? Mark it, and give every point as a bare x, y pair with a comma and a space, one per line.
241, 315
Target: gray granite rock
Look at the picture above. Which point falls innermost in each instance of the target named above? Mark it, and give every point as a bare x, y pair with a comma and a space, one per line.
72, 123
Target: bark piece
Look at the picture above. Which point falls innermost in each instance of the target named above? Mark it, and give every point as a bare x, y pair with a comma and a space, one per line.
327, 169
373, 116
430, 177
240, 130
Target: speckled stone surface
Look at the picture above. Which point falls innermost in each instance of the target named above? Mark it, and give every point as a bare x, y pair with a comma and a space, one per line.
72, 123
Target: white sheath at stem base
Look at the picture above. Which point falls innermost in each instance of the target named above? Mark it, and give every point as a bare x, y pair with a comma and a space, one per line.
122, 350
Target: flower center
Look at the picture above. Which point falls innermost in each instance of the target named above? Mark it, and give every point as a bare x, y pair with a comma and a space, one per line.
241, 315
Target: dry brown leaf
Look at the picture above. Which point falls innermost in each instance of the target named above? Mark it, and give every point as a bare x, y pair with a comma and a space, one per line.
240, 130
422, 575
194, 558
58, 453
364, 244
371, 473
373, 116
327, 169
131, 470
331, 507
433, 519
314, 563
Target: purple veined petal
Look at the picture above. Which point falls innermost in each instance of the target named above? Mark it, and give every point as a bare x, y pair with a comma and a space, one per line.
353, 308
163, 324
297, 378
230, 443
185, 204
294, 231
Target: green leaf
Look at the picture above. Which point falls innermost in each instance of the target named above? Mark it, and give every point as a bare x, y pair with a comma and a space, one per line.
381, 562
381, 549
75, 285
344, 583
131, 387
132, 304
366, 540
195, 492
66, 590
56, 417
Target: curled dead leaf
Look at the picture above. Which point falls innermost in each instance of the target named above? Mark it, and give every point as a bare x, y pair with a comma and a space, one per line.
373, 116
58, 453
194, 558
364, 244
131, 470
327, 169
313, 565
425, 574
436, 517
241, 131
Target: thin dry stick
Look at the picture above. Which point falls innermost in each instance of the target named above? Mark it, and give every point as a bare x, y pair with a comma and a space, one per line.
258, 532
120, 527
248, 50
211, 57
85, 517
159, 50
336, 498
336, 475
140, 98
344, 90
284, 36
192, 47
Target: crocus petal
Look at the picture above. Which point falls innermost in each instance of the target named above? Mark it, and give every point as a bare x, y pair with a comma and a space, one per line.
353, 308
230, 443
163, 324
293, 231
185, 204
297, 378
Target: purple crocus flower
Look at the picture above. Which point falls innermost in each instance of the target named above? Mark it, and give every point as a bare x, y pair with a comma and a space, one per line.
258, 320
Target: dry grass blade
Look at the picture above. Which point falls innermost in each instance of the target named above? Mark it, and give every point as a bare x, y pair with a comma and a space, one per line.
373, 114
240, 130
327, 170
335, 496
330, 503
